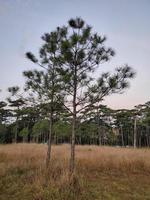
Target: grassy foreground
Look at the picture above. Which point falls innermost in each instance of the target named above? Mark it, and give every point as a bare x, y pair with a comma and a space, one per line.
101, 173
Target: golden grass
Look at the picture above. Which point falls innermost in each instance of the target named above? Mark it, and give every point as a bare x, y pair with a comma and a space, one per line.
96, 167
88, 157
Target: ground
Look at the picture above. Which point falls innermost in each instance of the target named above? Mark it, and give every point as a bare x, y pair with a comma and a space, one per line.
109, 173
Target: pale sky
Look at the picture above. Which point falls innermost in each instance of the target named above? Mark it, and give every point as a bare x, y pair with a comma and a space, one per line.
126, 23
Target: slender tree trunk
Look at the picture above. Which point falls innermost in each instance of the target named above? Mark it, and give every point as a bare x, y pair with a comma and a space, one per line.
43, 134
16, 131
99, 128
49, 140
147, 139
128, 138
99, 135
72, 156
89, 140
80, 140
55, 139
103, 140
24, 139
140, 139
122, 138
50, 122
135, 132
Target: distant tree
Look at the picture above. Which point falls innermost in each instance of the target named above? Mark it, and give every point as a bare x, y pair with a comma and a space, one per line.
87, 132
46, 84
142, 124
124, 123
136, 115
4, 113
100, 114
16, 101
30, 114
61, 130
40, 130
24, 133
3, 131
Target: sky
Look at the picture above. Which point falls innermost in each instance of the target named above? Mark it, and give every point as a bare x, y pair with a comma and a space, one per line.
126, 23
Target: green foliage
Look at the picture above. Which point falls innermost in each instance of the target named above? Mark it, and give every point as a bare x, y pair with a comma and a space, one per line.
40, 127
3, 132
62, 128
13, 90
108, 84
24, 132
87, 129
4, 113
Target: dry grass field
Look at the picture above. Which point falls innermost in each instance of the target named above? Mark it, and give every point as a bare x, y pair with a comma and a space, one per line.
101, 173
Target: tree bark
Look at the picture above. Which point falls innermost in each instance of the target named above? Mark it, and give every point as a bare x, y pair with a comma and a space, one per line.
72, 156
99, 135
140, 139
122, 138
80, 140
147, 137
16, 131
49, 141
135, 132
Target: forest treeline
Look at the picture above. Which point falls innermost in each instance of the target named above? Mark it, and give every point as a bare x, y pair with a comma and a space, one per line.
21, 122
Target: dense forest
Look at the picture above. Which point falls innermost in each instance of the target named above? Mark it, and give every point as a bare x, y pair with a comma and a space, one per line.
22, 122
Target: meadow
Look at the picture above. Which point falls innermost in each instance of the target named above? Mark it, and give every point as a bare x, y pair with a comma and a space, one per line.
111, 173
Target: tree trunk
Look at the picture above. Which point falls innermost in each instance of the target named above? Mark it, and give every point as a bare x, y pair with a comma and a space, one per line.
135, 132
16, 131
140, 139
72, 158
24, 139
147, 138
55, 139
99, 136
80, 140
36, 139
122, 138
49, 141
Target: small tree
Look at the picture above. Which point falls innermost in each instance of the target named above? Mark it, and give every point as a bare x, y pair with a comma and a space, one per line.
4, 113
47, 84
72, 54
61, 130
41, 128
99, 114
24, 133
81, 53
16, 101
